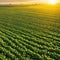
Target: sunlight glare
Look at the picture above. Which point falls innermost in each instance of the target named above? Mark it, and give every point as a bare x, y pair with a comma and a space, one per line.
52, 2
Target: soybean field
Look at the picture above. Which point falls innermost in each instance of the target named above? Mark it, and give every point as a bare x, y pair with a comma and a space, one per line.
30, 32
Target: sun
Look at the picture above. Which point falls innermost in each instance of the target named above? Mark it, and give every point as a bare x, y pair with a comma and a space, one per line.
52, 2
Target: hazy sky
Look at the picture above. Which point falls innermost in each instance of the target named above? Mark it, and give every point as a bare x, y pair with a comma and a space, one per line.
36, 1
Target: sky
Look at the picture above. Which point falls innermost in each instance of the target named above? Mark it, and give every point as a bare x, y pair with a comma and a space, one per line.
26, 1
